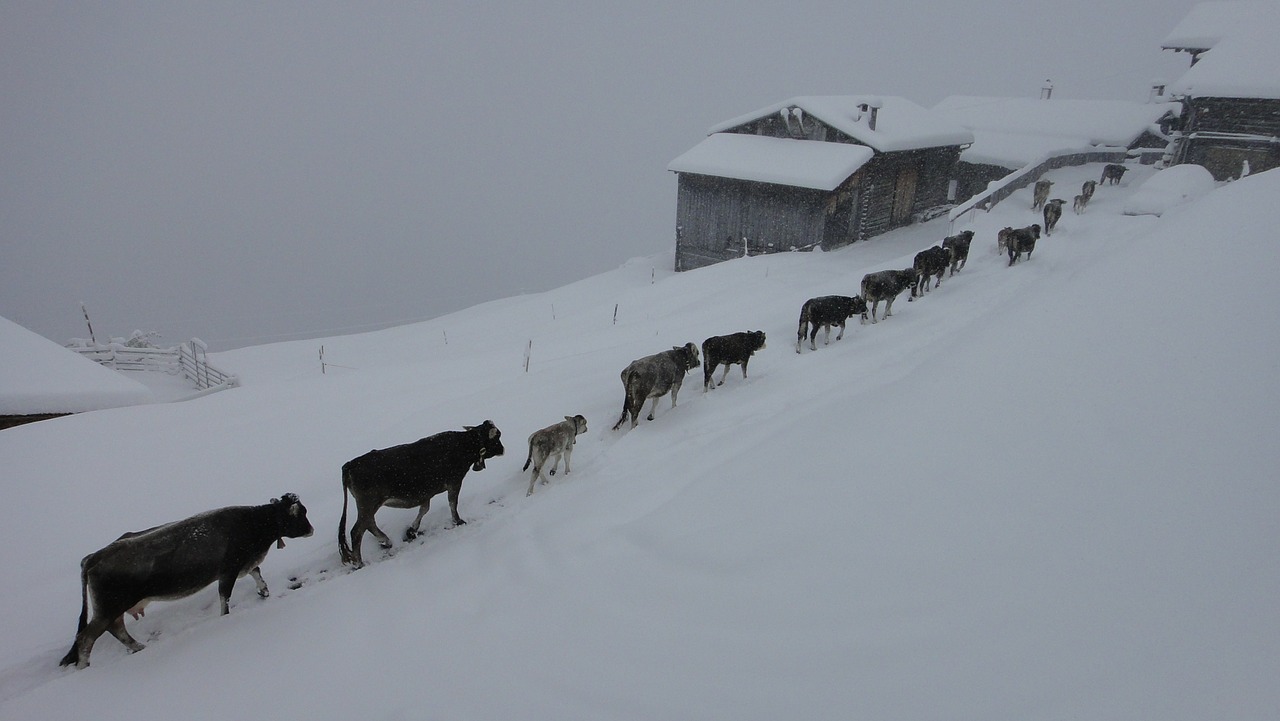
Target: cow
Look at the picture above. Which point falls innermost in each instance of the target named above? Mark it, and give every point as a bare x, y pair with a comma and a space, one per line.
727, 350
554, 440
1087, 188
1002, 238
1022, 240
930, 263
1112, 172
1081, 201
1052, 213
886, 285
407, 476
959, 246
654, 376
174, 561
1040, 194
824, 312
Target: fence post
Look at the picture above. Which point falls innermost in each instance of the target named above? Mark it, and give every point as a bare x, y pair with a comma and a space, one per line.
528, 350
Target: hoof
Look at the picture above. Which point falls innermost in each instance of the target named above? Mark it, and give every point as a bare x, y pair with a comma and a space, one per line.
409, 535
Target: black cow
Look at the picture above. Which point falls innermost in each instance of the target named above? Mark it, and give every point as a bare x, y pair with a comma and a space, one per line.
959, 246
654, 376
727, 350
176, 560
930, 263
1052, 214
886, 285
1112, 172
407, 476
1022, 240
824, 312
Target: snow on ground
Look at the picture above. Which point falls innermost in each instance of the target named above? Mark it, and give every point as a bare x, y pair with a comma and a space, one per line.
1168, 189
1040, 492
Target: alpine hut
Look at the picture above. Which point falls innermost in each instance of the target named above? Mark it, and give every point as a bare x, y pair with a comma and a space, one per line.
812, 171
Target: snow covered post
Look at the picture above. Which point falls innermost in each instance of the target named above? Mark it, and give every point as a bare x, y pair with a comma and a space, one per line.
322, 372
528, 350
615, 313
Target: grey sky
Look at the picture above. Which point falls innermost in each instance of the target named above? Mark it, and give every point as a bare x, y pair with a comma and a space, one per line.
249, 172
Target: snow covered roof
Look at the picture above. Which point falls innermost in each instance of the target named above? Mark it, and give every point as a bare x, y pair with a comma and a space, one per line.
900, 123
800, 163
1245, 63
1209, 22
40, 376
1015, 131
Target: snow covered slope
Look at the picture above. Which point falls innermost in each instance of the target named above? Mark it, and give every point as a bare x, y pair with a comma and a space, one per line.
1044, 491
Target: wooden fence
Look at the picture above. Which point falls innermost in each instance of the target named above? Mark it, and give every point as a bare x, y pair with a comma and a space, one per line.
190, 359
1021, 178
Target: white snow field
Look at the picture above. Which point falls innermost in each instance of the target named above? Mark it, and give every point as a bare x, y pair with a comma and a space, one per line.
1046, 491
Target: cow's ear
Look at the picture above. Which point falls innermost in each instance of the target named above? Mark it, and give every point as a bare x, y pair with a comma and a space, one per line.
571, 419
493, 431
468, 428
295, 510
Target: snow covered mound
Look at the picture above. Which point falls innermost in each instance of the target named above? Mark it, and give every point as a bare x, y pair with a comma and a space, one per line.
40, 376
1169, 188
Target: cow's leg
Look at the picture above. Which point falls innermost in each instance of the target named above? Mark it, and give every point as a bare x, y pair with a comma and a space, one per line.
675, 391
653, 407
225, 584
841, 333
117, 629
888, 306
87, 637
256, 573
725, 373
453, 504
744, 368
813, 335
826, 335
533, 479
568, 453
875, 305
411, 532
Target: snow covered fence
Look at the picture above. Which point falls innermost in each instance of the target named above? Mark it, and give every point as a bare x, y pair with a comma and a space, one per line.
1021, 178
189, 359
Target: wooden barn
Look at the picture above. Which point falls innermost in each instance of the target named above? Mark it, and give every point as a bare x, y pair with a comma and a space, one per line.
1231, 93
812, 171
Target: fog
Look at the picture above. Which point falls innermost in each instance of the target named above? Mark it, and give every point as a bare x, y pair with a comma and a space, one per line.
246, 173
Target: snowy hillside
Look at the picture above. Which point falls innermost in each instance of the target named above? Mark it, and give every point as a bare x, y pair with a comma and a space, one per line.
1044, 491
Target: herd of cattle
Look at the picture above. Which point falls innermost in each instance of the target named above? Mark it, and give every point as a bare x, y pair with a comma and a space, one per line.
178, 559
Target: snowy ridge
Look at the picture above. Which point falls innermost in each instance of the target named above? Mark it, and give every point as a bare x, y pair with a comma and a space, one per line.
1044, 491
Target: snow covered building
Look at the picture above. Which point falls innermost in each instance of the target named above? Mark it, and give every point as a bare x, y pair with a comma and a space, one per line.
1231, 93
812, 171
40, 379
1011, 133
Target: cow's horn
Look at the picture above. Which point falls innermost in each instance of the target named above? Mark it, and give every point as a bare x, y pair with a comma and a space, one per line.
280, 542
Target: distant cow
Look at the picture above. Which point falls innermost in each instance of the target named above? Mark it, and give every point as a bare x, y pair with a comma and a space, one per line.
407, 476
727, 350
1052, 213
824, 312
1081, 201
554, 440
176, 560
653, 377
1087, 188
1040, 194
1022, 240
1112, 172
930, 263
886, 285
959, 246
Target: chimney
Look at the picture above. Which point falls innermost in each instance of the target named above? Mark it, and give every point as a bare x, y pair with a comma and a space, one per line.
1046, 92
872, 106
1157, 91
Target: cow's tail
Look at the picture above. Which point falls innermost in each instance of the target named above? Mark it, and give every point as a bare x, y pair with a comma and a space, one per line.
344, 548
529, 459
73, 656
803, 326
626, 399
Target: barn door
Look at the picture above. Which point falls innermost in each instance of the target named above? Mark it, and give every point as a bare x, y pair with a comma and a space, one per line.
904, 195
